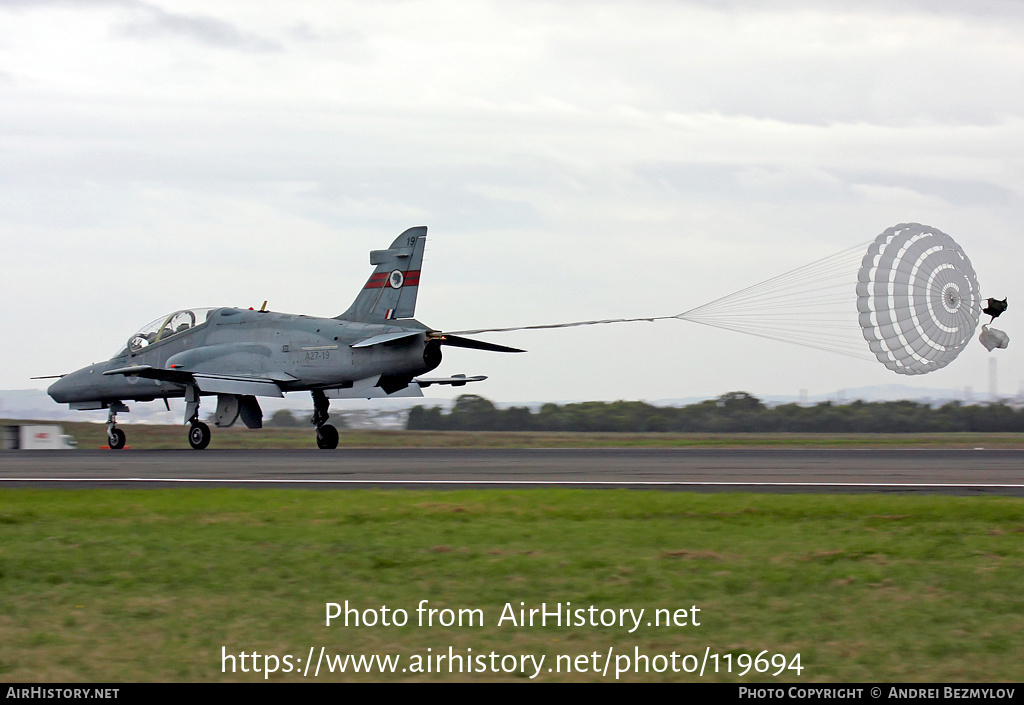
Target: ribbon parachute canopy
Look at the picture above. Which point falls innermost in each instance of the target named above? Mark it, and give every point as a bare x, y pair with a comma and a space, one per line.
913, 295
918, 299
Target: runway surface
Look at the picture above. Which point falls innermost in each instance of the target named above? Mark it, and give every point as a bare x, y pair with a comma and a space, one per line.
945, 471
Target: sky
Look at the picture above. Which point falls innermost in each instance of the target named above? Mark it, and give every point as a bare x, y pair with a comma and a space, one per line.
572, 161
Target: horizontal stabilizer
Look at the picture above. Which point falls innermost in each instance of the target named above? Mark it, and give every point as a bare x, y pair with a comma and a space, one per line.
460, 342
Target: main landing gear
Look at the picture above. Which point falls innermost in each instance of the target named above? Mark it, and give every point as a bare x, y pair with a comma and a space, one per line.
326, 434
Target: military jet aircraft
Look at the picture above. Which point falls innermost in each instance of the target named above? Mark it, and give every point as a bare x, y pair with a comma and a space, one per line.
374, 349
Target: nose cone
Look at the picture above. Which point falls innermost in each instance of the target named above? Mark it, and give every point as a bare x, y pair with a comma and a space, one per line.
77, 386
58, 391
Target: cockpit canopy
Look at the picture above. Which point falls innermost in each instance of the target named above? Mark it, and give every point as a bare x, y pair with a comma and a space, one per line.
167, 327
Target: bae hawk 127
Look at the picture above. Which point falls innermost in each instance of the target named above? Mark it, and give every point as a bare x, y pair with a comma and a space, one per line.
374, 349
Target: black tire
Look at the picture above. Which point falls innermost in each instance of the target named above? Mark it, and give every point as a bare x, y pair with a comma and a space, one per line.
199, 435
116, 439
327, 437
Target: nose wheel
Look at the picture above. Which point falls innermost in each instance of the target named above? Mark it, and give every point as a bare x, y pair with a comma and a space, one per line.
115, 436
116, 439
199, 435
198, 432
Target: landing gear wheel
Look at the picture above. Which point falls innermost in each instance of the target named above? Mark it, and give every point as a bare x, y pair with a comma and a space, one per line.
327, 437
116, 439
199, 435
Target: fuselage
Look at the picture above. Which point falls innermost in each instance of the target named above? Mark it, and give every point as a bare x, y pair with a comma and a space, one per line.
296, 352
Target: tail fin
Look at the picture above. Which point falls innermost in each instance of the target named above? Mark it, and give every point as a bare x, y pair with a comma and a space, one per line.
391, 290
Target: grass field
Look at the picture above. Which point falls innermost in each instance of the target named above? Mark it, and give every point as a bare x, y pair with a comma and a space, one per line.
148, 436
108, 585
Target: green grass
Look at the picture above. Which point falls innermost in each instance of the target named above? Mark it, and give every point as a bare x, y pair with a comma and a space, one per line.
148, 436
107, 585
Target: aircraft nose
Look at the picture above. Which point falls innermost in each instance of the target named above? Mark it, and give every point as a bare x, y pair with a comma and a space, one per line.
58, 390
71, 387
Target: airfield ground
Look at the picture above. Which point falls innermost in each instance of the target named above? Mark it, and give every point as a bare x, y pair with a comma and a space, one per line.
160, 585
157, 437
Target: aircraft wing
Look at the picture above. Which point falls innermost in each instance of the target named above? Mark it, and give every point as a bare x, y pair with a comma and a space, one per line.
442, 338
210, 383
150, 372
223, 384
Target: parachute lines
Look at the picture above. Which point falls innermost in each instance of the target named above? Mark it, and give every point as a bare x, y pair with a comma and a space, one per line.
811, 306
913, 296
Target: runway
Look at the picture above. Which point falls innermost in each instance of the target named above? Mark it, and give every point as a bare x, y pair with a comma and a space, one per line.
945, 471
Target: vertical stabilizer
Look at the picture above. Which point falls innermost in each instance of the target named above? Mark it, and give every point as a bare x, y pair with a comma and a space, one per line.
391, 290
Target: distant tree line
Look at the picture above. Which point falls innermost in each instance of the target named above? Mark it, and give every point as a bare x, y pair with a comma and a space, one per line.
287, 419
735, 412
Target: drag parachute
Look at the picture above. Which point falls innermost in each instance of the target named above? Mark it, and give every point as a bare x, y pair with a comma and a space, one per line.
918, 299
913, 296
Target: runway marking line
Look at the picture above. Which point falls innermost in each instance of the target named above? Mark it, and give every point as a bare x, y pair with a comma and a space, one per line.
190, 480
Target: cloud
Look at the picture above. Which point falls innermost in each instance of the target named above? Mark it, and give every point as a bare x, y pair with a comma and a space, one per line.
42, 4
156, 22
153, 21
608, 161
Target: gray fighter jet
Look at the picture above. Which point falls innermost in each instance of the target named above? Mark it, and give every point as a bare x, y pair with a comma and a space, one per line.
375, 349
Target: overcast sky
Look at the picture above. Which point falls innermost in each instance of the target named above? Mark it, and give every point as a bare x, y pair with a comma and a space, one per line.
573, 160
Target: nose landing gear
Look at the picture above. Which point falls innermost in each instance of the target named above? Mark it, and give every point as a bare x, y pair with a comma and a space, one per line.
198, 435
116, 438
198, 432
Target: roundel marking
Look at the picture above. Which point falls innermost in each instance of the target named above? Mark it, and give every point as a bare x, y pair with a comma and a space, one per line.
396, 279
